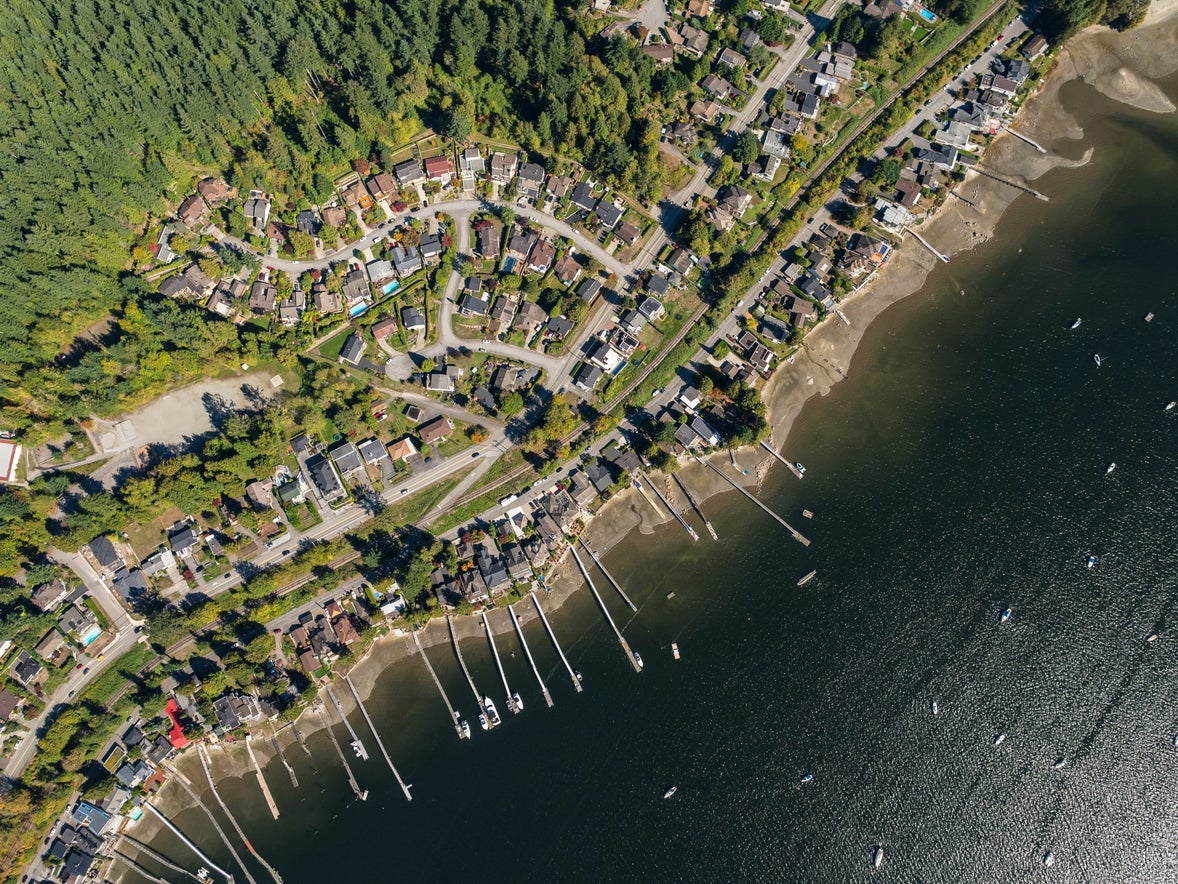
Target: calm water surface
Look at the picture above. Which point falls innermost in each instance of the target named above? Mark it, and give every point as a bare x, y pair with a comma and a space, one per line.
959, 472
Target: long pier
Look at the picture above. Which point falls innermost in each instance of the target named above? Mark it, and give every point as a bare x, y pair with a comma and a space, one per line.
511, 704
609, 577
357, 745
1021, 137
555, 643
943, 258
191, 846
187, 786
642, 488
630, 655
154, 854
379, 742
131, 864
441, 690
294, 781
249, 746
478, 698
695, 505
1024, 188
519, 630
362, 795
793, 468
200, 750
794, 532
671, 509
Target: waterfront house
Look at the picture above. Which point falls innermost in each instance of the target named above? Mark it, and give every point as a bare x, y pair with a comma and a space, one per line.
761, 358
548, 530
517, 562
353, 350
1035, 47
581, 490
493, 571
1017, 70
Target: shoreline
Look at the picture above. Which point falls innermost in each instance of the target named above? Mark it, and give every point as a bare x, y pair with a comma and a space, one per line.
1120, 66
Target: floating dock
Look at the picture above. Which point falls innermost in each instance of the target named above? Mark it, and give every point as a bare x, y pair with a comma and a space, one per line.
806, 579
176, 831
789, 463
555, 643
441, 690
200, 750
519, 630
511, 702
630, 655
380, 743
796, 535
357, 745
609, 577
671, 509
695, 505
806, 514
249, 746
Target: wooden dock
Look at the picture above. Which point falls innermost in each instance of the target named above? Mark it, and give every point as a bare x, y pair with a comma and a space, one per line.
943, 258
379, 742
609, 577
294, 781
678, 518
807, 578
790, 465
511, 704
1024, 188
1021, 137
519, 630
695, 505
321, 708
148, 851
478, 698
630, 655
195, 796
191, 846
357, 744
794, 532
148, 876
441, 690
270, 803
555, 643
232, 819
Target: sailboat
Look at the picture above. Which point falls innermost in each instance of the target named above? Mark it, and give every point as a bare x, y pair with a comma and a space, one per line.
1097, 359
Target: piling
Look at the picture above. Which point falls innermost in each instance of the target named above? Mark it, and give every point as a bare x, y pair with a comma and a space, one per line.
379, 742
282, 756
249, 746
158, 857
793, 468
796, 536
555, 643
1024, 188
200, 749
630, 655
478, 698
363, 796
187, 786
695, 505
511, 703
176, 831
519, 630
609, 577
441, 690
671, 509
357, 745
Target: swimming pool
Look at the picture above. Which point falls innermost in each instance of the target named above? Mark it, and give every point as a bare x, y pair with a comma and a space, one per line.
508, 265
91, 634
391, 287
927, 16
358, 309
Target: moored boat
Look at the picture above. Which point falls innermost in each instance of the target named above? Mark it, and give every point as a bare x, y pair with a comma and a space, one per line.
801, 469
1171, 406
483, 723
1060, 763
519, 702
999, 739
808, 778
492, 712
675, 650
1098, 359
670, 792
1091, 562
1076, 324
878, 858
1049, 859
933, 707
1004, 616
1111, 467
638, 660
464, 726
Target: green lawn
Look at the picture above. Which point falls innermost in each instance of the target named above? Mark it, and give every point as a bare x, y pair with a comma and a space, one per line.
416, 506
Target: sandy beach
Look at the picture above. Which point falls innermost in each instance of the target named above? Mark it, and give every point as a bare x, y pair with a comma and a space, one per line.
1121, 66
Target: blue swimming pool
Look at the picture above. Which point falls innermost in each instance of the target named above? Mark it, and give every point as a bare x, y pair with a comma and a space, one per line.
391, 287
927, 16
358, 309
508, 265
91, 634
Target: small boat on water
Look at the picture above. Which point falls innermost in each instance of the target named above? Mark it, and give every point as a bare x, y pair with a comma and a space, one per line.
518, 700
877, 858
1174, 741
1091, 562
807, 578
1098, 359
202, 874
358, 748
1060, 763
1076, 324
483, 723
1004, 616
492, 712
801, 469
1000, 739
1049, 859
808, 778
1149, 316
670, 793
675, 650
638, 660
1111, 467
577, 673
464, 726
934, 707
1171, 406
1153, 637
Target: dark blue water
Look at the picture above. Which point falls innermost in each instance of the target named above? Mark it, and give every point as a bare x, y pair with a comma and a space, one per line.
960, 471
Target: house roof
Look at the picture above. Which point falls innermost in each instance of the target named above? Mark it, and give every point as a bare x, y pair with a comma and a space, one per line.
372, 451
402, 449
438, 428
353, 349
104, 552
412, 318
346, 457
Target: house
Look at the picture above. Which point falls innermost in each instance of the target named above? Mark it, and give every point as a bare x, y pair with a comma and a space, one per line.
658, 285
104, 553
680, 260
605, 357
608, 214
356, 286
517, 563
50, 645
559, 186
705, 110
761, 358
690, 397
804, 106
765, 168
257, 211
430, 247
660, 52
414, 414
1017, 70
581, 490
220, 301
587, 377
731, 58
1000, 84
800, 310
345, 630
558, 327
484, 398
694, 40
259, 495
874, 250
777, 144
436, 430
717, 87
406, 260
439, 169
699, 8
402, 449
652, 309
25, 669
335, 216
488, 240
503, 167
882, 9
549, 531
215, 191
470, 306
529, 317
412, 319
193, 281
629, 233
263, 296
409, 173
956, 135
942, 156
588, 289
531, 179
632, 321
567, 269
846, 50
922, 173
192, 211
471, 163
385, 327
382, 185
325, 301
1035, 47
130, 585
907, 193
380, 270
356, 196
749, 39
582, 197
347, 459
184, 540
509, 378
439, 382
8, 703
503, 311
48, 596
541, 257
353, 350
622, 341
812, 286
519, 245
735, 200
326, 479
705, 432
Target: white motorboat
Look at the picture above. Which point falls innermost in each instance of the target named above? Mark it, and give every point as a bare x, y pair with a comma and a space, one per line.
808, 778
1171, 406
1000, 739
483, 723
464, 726
1049, 859
670, 793
877, 859
1060, 763
492, 712
519, 703
801, 469
1076, 324
1111, 467
934, 707
638, 660
675, 650
1091, 562
1004, 616
1097, 359
578, 675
